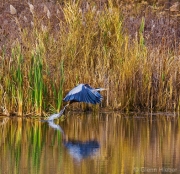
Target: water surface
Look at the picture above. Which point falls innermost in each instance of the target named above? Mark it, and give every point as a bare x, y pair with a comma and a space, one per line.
110, 143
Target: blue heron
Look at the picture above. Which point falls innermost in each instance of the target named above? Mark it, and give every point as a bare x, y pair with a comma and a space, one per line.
84, 93
81, 93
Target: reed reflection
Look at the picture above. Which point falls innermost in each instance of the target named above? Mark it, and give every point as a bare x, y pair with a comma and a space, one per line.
105, 143
77, 149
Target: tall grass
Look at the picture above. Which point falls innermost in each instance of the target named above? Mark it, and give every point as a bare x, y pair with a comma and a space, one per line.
37, 81
17, 81
88, 45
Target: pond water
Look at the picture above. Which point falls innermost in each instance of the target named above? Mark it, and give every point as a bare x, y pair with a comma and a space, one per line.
104, 143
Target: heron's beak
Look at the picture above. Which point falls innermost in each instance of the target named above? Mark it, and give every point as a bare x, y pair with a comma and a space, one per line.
66, 105
101, 89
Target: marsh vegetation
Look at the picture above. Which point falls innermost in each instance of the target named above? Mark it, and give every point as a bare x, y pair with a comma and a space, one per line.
132, 49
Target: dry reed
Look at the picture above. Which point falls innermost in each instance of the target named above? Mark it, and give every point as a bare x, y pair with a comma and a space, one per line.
87, 44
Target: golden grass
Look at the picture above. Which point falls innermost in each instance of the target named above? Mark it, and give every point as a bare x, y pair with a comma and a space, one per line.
88, 45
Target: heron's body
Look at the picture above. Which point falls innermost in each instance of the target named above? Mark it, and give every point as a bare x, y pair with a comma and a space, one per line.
84, 93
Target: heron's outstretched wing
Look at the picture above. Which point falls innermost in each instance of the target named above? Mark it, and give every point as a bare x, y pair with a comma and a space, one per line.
84, 93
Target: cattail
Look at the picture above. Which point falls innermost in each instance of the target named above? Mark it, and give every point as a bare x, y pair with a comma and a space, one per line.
45, 9
87, 6
48, 14
44, 28
25, 19
93, 9
32, 24
13, 11
57, 11
31, 7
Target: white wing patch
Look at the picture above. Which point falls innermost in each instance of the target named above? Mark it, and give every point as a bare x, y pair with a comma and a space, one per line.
76, 89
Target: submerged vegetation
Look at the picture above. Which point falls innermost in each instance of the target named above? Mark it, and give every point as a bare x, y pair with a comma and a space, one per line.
88, 43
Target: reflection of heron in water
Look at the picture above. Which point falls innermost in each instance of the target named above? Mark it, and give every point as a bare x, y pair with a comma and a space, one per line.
81, 93
78, 149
